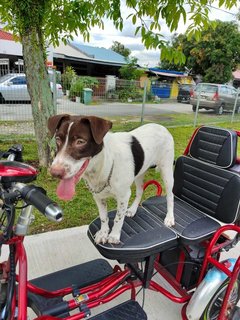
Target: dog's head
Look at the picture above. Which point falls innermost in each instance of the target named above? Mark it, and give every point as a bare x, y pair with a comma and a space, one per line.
78, 139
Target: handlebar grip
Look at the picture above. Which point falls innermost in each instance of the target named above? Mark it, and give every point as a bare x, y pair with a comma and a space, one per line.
37, 197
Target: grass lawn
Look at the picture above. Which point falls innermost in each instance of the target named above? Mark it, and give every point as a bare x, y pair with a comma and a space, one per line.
82, 209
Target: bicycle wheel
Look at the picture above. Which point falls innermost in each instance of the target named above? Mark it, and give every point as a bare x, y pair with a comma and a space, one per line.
213, 309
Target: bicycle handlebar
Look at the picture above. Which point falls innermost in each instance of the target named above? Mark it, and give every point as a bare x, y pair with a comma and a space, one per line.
37, 197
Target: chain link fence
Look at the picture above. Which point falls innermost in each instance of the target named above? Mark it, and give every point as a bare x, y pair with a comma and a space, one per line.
122, 101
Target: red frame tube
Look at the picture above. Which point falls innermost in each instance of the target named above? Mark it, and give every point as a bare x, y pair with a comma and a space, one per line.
153, 182
210, 249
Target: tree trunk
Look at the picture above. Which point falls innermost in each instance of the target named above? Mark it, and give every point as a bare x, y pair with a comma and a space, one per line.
39, 90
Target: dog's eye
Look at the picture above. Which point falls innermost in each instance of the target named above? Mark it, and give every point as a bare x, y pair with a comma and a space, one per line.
80, 142
58, 141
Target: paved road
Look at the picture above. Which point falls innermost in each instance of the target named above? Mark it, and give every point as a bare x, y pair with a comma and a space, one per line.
20, 112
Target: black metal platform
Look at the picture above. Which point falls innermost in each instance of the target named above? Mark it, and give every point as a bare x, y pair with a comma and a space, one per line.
129, 310
78, 276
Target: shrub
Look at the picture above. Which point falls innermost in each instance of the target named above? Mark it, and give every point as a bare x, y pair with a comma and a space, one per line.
68, 77
79, 84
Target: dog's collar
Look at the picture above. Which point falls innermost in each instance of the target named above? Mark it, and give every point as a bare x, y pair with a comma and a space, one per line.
107, 183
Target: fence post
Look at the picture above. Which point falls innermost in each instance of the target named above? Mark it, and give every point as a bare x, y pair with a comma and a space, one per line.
235, 104
54, 91
197, 106
144, 101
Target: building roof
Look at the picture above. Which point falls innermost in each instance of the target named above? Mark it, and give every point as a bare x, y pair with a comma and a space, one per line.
100, 54
6, 35
168, 73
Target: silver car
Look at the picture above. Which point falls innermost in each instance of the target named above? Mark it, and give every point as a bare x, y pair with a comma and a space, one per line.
13, 88
218, 97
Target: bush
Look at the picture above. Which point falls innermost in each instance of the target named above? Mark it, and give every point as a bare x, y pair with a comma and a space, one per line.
131, 92
68, 77
79, 84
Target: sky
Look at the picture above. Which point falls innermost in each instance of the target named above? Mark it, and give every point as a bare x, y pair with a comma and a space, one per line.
148, 58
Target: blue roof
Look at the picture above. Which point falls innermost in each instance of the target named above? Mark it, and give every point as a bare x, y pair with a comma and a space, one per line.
166, 71
101, 54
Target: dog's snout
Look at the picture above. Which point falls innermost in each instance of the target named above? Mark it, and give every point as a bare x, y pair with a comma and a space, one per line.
57, 171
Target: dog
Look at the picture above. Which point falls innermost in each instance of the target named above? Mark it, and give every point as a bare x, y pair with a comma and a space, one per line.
109, 163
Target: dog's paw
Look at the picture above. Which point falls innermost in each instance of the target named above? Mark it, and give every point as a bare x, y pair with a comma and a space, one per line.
114, 238
101, 237
169, 221
130, 213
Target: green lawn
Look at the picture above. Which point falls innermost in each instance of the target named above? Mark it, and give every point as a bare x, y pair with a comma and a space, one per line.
82, 209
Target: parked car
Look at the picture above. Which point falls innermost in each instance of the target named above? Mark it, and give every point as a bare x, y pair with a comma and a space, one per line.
184, 92
218, 97
13, 87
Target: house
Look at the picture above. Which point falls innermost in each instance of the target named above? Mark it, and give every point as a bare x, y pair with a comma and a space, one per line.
165, 83
85, 59
10, 53
88, 60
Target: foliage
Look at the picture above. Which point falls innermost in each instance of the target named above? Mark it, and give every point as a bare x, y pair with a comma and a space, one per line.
131, 92
61, 19
214, 56
68, 77
121, 49
80, 83
130, 71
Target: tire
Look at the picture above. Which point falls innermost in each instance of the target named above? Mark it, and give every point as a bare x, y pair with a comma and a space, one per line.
213, 309
220, 109
194, 108
2, 100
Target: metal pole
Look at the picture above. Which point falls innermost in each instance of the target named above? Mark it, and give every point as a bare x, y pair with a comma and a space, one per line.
197, 106
54, 91
235, 104
144, 101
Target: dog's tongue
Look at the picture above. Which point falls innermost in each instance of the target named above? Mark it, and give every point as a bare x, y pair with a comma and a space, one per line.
66, 187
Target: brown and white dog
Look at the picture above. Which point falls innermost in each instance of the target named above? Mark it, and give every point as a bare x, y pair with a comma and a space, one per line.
110, 163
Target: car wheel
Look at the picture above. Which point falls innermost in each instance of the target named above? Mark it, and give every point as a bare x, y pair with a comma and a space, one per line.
2, 100
220, 109
194, 108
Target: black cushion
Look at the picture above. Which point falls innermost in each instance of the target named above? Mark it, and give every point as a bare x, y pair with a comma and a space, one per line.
190, 223
212, 190
215, 145
141, 236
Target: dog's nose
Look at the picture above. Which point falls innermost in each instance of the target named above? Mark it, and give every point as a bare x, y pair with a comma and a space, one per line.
57, 171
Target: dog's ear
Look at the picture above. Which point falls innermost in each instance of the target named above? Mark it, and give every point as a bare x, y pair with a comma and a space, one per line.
99, 127
54, 122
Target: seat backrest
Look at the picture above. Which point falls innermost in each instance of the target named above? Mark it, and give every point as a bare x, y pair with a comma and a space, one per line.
215, 145
212, 190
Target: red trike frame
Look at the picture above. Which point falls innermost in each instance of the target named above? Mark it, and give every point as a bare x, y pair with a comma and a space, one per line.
97, 293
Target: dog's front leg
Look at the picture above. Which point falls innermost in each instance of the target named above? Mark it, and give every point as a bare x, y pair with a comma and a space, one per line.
122, 204
102, 234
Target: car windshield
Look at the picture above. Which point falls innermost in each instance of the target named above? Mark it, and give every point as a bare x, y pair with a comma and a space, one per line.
206, 88
4, 78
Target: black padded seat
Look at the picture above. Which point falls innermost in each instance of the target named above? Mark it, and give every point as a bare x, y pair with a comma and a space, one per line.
215, 145
212, 190
191, 225
141, 236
